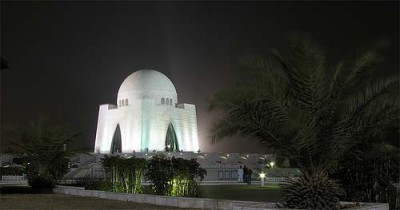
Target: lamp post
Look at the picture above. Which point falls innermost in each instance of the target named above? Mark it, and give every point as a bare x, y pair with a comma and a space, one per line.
262, 176
272, 163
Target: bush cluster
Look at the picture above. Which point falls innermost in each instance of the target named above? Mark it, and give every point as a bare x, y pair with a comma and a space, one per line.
174, 176
312, 191
168, 176
41, 181
102, 185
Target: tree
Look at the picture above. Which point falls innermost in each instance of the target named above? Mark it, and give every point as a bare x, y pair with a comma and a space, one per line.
160, 172
112, 166
368, 174
185, 172
125, 175
44, 149
174, 176
303, 109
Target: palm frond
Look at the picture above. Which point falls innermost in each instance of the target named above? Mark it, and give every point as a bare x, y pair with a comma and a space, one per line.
305, 110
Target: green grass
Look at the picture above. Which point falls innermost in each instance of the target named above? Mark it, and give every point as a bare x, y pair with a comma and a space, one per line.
269, 193
26, 198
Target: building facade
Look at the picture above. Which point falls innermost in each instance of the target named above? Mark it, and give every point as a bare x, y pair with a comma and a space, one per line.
147, 117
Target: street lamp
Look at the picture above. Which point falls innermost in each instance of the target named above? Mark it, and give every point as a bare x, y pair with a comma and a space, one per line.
262, 176
272, 163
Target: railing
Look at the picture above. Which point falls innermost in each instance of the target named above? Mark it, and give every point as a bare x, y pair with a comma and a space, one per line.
11, 178
67, 181
275, 179
224, 166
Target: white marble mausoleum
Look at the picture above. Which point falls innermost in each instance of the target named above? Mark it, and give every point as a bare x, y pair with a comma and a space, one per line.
146, 117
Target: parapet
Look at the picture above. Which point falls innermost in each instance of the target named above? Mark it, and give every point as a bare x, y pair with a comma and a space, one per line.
108, 106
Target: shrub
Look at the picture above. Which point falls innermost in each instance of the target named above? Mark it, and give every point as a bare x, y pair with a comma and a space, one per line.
98, 185
41, 182
174, 176
159, 172
125, 175
312, 191
368, 174
11, 171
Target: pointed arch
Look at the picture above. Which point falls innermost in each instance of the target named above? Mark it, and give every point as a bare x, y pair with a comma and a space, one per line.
171, 141
116, 143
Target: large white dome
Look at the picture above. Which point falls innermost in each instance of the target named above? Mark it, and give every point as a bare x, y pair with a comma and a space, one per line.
147, 84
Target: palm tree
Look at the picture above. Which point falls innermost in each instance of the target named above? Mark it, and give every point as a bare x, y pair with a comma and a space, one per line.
305, 110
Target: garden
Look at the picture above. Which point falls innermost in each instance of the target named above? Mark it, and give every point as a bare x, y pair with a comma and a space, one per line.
332, 122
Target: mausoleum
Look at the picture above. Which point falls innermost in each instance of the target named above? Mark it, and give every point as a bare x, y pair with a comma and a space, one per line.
146, 117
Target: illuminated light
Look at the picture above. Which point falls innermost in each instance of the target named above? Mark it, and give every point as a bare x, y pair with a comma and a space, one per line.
227, 155
262, 176
247, 155
272, 163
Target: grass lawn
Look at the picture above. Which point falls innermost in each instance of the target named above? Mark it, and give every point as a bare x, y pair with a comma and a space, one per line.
268, 193
24, 198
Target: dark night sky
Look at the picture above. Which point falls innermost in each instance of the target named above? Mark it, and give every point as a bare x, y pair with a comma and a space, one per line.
67, 58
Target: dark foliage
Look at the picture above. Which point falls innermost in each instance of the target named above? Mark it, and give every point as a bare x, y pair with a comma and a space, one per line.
41, 181
369, 173
312, 113
125, 174
312, 191
44, 152
12, 171
160, 172
174, 176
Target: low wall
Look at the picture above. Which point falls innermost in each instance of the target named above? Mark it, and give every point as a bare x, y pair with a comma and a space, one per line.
368, 206
180, 202
184, 202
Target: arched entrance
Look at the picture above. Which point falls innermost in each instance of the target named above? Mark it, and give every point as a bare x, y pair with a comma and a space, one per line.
116, 141
171, 142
